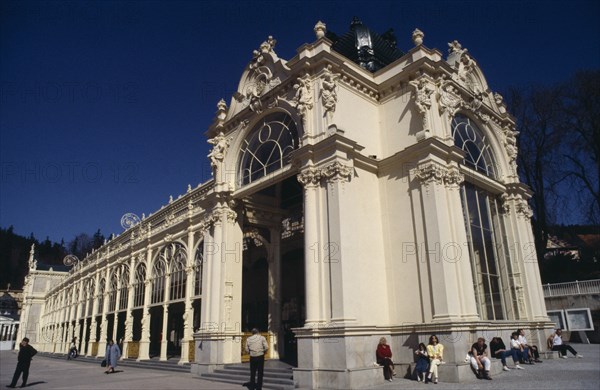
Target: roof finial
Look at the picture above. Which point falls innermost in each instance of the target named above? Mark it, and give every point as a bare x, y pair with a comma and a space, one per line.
320, 29
417, 37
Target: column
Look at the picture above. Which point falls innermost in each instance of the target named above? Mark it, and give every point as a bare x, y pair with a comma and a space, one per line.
128, 315
188, 315
115, 335
164, 342
145, 340
104, 313
310, 179
275, 328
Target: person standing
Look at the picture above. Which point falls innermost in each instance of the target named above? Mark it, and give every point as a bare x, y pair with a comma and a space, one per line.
26, 353
112, 356
256, 346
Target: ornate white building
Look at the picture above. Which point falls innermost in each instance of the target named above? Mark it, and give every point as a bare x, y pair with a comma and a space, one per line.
358, 192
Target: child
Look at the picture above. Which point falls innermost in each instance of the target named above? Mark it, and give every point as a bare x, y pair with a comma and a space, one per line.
422, 362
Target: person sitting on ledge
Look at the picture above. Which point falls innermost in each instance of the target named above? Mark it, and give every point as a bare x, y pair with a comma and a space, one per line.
559, 345
534, 354
435, 351
384, 358
479, 360
499, 351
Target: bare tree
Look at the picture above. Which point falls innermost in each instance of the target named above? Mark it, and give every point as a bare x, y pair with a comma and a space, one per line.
581, 128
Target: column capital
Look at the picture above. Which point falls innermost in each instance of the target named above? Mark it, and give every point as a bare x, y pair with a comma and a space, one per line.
310, 177
337, 172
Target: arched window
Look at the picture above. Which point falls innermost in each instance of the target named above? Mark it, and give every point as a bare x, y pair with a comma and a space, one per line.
158, 281
267, 147
112, 292
124, 288
198, 262
139, 287
484, 225
178, 262
478, 152
101, 288
90, 293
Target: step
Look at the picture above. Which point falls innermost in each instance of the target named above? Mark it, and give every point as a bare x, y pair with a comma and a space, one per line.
154, 364
276, 375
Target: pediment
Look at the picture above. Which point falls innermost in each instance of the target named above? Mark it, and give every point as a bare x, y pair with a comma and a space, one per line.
265, 72
469, 75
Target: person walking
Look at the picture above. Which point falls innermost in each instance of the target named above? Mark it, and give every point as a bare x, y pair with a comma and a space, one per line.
26, 353
256, 346
112, 356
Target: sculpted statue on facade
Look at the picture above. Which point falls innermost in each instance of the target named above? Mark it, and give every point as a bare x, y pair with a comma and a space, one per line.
328, 89
303, 99
423, 91
417, 37
220, 144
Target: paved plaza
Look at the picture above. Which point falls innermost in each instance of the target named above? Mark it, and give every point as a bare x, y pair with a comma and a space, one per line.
48, 373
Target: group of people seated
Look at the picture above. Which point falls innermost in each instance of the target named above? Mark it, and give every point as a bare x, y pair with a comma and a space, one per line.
429, 357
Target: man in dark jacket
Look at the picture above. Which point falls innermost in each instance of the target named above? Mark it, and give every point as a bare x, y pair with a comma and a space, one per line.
26, 352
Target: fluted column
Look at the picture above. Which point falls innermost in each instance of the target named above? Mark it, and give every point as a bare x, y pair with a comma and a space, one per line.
188, 315
104, 314
145, 340
164, 343
275, 292
128, 315
310, 179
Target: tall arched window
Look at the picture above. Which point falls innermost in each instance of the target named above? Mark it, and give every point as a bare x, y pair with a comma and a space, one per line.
100, 296
198, 262
267, 147
478, 152
178, 262
112, 292
124, 288
159, 272
139, 286
484, 224
90, 293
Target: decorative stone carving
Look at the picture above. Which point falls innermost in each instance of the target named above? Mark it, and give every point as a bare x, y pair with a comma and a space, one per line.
320, 29
523, 209
500, 102
423, 91
430, 173
417, 37
449, 99
310, 177
303, 100
455, 47
328, 92
217, 154
221, 112
32, 260
505, 203
337, 171
510, 144
453, 178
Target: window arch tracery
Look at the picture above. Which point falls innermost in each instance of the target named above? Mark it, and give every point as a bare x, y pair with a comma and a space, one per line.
267, 147
484, 225
139, 285
478, 151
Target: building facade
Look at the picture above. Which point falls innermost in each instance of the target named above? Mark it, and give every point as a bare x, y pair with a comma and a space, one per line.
357, 192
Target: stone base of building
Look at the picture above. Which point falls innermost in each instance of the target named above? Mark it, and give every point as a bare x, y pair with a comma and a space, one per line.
344, 357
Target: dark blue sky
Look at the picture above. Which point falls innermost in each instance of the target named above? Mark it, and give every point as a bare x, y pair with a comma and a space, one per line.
104, 104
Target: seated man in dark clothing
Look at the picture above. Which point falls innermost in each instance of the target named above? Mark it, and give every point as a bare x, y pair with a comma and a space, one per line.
479, 360
499, 351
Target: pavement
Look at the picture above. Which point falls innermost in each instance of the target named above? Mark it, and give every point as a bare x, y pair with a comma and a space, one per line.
48, 373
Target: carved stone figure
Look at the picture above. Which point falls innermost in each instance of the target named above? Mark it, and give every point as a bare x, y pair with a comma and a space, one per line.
417, 37
328, 89
217, 153
303, 98
423, 91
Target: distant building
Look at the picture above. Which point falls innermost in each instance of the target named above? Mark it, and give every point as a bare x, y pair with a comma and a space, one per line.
358, 192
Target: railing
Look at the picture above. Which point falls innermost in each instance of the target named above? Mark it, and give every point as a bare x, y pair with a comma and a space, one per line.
572, 288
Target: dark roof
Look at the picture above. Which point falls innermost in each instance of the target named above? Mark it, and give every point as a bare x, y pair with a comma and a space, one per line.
366, 48
55, 267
